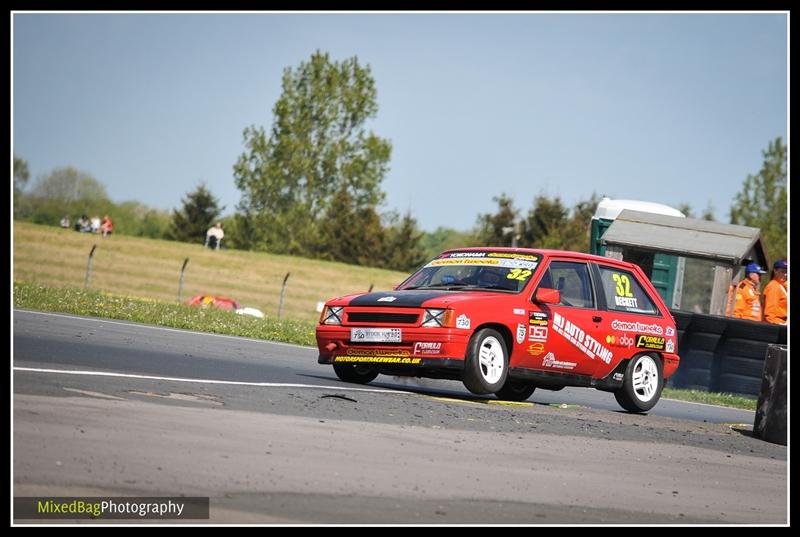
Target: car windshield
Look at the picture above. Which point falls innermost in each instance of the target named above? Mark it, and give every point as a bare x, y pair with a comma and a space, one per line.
494, 271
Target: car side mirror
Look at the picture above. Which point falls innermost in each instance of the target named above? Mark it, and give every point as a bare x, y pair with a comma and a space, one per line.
547, 296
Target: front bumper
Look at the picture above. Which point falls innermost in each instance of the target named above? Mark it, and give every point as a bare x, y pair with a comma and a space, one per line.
419, 347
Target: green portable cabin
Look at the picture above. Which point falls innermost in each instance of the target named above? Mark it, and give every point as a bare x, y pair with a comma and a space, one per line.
711, 255
665, 271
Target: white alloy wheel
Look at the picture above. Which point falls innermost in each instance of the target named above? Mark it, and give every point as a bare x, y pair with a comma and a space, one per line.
491, 359
645, 378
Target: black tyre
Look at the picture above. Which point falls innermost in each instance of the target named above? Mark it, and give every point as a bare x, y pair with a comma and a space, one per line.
682, 319
739, 365
752, 331
692, 379
711, 324
745, 348
515, 390
738, 384
486, 364
641, 388
695, 359
702, 341
357, 373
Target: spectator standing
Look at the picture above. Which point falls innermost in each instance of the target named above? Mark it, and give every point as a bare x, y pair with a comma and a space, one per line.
214, 236
748, 299
775, 294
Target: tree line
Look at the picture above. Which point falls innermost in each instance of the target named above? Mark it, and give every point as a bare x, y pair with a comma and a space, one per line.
311, 186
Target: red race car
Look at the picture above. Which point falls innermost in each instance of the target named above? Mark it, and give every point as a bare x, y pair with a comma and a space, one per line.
507, 321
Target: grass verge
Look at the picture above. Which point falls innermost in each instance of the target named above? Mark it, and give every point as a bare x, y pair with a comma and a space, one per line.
710, 398
99, 304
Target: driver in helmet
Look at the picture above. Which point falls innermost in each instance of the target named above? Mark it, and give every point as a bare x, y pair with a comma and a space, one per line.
491, 277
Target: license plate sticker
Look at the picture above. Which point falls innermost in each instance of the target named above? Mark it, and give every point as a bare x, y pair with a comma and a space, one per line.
376, 335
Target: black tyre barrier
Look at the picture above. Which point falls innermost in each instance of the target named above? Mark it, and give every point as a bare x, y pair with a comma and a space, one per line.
744, 366
695, 379
711, 324
726, 347
741, 384
682, 319
745, 348
753, 331
702, 341
782, 335
695, 359
770, 421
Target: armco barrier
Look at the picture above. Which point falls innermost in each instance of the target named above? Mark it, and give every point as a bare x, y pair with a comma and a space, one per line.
721, 354
770, 421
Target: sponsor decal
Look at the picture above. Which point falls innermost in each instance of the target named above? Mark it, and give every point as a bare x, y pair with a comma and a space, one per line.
521, 333
501, 262
463, 254
514, 256
387, 299
536, 349
626, 302
580, 339
423, 347
462, 321
539, 318
519, 311
617, 376
353, 351
620, 341
670, 331
463, 261
550, 361
670, 345
538, 333
627, 326
657, 343
378, 359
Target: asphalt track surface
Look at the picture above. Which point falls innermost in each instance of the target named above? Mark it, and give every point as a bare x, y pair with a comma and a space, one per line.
112, 408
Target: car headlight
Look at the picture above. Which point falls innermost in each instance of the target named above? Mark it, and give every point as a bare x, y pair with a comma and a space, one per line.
436, 317
332, 315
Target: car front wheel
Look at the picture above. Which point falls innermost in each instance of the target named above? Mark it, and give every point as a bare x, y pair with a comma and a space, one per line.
644, 380
357, 373
486, 366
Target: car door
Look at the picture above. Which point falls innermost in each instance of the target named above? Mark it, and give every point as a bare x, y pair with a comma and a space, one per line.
632, 322
561, 337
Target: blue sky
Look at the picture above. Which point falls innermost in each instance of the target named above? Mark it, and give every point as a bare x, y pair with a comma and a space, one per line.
668, 108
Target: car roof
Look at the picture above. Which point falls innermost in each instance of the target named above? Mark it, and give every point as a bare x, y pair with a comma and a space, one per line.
546, 253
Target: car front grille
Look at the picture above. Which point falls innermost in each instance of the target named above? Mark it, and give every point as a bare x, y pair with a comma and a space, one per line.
388, 318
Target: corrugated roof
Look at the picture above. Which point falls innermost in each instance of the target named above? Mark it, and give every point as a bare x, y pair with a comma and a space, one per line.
688, 237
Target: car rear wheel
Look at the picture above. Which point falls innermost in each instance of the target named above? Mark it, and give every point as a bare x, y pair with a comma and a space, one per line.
515, 390
357, 373
486, 366
644, 380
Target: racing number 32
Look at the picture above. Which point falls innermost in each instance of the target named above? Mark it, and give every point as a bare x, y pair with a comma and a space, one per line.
519, 274
623, 285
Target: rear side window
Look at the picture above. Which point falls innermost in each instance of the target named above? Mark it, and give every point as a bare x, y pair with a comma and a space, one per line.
624, 292
572, 280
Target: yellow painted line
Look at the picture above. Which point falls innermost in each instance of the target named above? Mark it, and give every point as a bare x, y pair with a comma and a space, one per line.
509, 403
453, 400
480, 401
